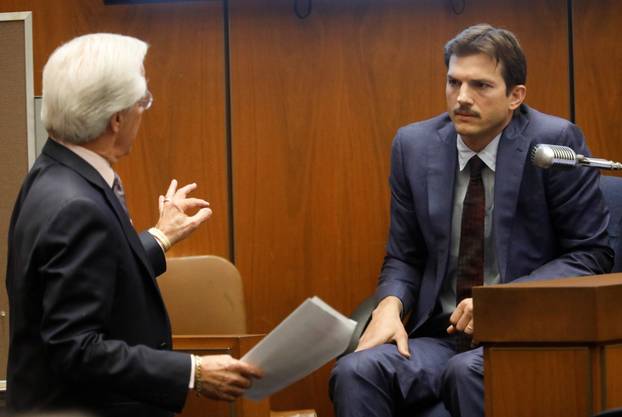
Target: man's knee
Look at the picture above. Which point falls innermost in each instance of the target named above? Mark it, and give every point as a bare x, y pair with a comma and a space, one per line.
354, 366
349, 372
462, 387
462, 368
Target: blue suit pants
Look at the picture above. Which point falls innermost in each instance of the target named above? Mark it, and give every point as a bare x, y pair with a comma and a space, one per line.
436, 381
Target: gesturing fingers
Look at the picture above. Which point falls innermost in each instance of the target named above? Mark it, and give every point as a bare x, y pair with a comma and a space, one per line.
185, 190
191, 203
170, 193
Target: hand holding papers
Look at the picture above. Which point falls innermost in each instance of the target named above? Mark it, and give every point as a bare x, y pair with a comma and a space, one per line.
309, 337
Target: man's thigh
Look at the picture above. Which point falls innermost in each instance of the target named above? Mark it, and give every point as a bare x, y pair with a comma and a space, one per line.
421, 377
384, 371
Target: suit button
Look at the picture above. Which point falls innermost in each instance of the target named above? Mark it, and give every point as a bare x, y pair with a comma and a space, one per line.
163, 345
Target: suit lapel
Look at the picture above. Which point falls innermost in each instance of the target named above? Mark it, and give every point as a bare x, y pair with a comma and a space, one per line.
441, 179
511, 155
74, 162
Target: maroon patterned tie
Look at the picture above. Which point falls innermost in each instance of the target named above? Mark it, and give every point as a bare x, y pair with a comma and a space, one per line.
471, 255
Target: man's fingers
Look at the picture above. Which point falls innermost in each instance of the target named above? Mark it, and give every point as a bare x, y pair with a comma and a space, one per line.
170, 193
247, 370
161, 203
455, 316
465, 319
237, 383
185, 190
201, 215
191, 204
362, 346
470, 328
402, 345
367, 341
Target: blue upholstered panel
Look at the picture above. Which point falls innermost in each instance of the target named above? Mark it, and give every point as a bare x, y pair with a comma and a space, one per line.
612, 191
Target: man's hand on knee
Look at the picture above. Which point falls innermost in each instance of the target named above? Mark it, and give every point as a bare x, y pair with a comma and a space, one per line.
386, 327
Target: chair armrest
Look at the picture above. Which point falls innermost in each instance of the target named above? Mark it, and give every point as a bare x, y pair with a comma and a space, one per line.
362, 316
613, 412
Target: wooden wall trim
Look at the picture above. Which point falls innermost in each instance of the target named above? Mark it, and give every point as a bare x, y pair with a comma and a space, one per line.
16, 136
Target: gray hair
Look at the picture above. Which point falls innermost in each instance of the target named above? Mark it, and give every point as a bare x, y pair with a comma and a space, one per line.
87, 80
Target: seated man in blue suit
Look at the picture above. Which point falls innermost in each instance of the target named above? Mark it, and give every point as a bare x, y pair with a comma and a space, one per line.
467, 208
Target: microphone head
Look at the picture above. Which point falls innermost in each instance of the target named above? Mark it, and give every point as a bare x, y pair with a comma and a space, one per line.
546, 156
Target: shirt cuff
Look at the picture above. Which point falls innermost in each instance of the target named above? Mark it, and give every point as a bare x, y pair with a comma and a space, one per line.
191, 382
161, 245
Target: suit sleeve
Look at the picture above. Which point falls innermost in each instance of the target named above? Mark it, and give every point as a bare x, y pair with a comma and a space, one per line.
155, 253
406, 251
82, 263
580, 218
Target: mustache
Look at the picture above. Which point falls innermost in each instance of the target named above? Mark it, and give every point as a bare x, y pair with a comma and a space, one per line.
465, 112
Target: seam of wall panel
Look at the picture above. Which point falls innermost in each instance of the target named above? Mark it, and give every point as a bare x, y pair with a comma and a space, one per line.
571, 81
228, 134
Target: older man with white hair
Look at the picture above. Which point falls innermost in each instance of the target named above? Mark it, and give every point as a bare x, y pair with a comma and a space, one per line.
88, 327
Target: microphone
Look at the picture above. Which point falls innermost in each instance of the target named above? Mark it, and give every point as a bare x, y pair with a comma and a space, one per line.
557, 156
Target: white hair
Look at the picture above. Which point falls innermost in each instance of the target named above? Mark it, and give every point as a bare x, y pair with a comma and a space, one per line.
89, 79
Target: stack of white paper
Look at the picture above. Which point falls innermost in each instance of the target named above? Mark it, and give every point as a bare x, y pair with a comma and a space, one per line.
309, 337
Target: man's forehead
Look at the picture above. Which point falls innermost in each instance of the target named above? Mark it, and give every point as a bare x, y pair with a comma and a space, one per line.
474, 65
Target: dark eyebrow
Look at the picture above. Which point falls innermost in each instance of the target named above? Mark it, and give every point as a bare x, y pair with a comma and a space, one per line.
483, 81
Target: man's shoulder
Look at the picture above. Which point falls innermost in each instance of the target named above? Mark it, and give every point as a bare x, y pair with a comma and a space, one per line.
540, 122
51, 185
422, 130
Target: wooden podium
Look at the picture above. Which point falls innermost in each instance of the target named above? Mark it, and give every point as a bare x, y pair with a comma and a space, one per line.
551, 348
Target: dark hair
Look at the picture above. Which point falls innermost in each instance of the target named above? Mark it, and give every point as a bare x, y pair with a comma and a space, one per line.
499, 44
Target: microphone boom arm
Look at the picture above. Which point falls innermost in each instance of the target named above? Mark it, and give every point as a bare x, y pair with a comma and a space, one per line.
598, 163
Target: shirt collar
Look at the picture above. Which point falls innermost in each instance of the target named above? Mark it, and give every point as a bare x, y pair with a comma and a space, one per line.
488, 155
95, 160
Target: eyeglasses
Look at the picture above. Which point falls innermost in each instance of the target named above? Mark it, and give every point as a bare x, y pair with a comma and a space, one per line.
146, 101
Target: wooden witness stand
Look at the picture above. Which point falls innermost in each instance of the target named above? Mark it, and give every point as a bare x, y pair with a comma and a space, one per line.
551, 348
236, 346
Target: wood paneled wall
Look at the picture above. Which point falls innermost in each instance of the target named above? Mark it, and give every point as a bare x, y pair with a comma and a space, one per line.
598, 91
314, 105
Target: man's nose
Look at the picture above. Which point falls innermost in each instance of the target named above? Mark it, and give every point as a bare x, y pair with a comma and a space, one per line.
464, 96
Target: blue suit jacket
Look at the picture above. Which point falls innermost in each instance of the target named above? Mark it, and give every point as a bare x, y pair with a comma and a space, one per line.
546, 223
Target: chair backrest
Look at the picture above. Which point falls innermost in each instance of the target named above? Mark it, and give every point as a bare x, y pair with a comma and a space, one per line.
612, 192
203, 295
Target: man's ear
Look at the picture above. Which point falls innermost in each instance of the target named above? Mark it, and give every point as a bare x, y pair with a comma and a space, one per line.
517, 96
115, 122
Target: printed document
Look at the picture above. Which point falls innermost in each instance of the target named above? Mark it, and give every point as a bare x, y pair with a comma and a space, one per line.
308, 338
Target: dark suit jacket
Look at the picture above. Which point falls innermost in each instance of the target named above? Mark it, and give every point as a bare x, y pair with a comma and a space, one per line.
88, 327
546, 223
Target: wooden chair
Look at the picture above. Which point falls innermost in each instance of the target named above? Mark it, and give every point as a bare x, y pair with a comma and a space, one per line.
204, 296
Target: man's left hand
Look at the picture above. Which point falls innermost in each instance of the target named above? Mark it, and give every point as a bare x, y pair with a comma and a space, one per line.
175, 221
462, 318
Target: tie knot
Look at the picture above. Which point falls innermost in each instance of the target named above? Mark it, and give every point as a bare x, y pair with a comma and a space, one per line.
116, 184
476, 165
